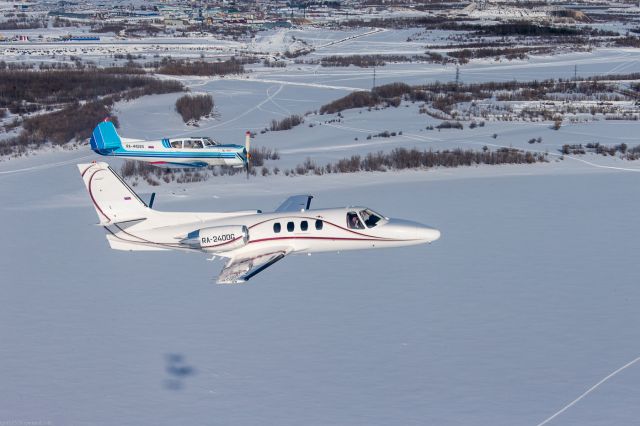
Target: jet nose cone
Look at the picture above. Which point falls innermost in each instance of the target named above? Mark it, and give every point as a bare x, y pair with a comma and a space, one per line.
427, 233
413, 231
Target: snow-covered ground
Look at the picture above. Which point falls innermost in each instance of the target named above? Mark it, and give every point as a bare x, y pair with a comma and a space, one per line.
529, 298
527, 301
596, 62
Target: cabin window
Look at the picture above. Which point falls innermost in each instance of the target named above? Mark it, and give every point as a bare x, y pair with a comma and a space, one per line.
188, 143
318, 225
176, 144
370, 217
304, 225
290, 226
197, 144
276, 227
353, 221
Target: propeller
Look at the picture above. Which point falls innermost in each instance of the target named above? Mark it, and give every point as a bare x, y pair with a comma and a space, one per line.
247, 147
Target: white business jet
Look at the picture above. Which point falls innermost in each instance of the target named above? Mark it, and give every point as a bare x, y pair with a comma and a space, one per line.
251, 240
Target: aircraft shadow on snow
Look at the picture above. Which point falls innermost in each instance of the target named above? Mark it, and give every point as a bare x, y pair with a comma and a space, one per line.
177, 370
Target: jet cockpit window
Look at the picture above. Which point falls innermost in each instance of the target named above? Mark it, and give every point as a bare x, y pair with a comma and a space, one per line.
353, 221
370, 217
176, 144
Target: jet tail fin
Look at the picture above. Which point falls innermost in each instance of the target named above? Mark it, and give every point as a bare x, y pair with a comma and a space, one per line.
113, 199
105, 138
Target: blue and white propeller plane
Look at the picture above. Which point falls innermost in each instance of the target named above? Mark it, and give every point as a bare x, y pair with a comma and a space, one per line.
250, 240
171, 153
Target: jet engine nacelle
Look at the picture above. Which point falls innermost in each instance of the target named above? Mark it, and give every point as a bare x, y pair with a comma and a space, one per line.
218, 238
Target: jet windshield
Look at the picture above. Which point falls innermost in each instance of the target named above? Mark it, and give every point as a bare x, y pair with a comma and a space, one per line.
370, 218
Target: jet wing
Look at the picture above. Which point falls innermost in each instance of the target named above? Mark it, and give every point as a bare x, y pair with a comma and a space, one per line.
240, 269
295, 204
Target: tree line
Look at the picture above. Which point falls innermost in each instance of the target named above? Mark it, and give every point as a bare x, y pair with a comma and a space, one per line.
77, 100
444, 96
54, 87
180, 67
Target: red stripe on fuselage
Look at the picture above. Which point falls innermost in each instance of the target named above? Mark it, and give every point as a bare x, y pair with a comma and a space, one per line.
87, 169
91, 195
328, 238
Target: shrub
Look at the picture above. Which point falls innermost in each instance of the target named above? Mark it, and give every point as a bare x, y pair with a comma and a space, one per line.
258, 156
576, 149
286, 123
391, 90
450, 125
352, 100
362, 61
402, 158
194, 107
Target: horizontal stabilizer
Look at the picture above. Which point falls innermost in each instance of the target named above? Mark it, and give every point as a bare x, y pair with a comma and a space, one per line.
241, 269
118, 244
124, 222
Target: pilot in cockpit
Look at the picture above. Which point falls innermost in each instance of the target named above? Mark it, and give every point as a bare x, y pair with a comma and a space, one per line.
354, 221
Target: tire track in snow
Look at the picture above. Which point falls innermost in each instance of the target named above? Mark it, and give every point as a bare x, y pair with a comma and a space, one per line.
45, 166
298, 83
587, 392
239, 116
